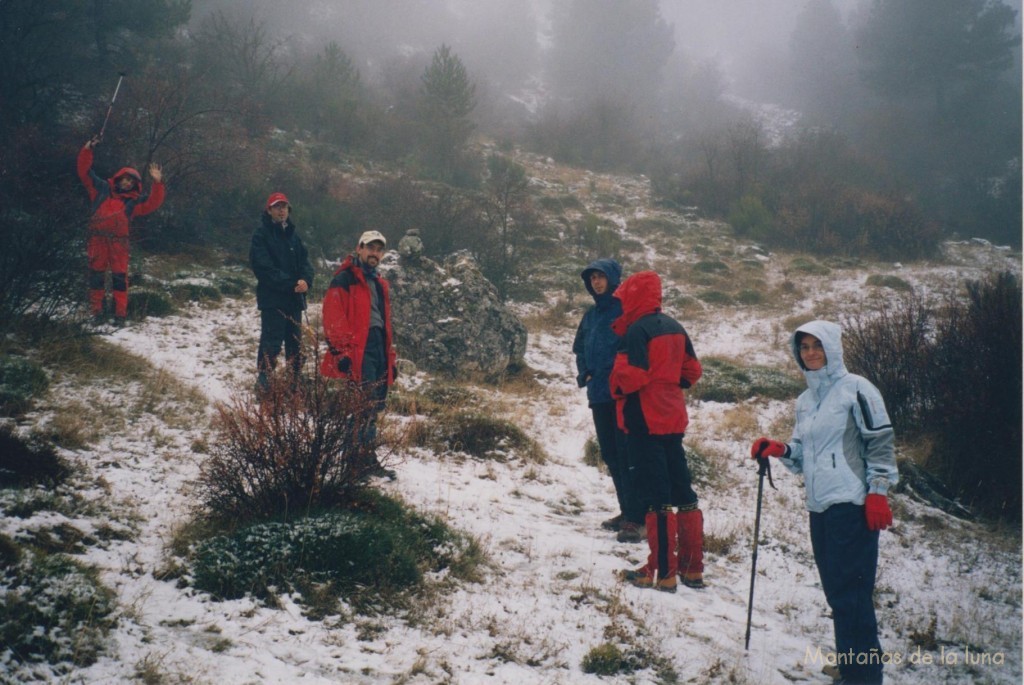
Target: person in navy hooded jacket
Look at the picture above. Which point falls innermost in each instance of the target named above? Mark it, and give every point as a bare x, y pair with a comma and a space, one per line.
843, 445
594, 346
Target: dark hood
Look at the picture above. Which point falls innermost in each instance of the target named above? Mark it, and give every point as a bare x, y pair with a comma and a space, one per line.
610, 268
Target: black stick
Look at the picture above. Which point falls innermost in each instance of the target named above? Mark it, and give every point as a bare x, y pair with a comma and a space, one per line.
110, 109
763, 467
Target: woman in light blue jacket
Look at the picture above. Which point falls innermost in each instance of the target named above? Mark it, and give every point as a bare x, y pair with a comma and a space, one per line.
843, 445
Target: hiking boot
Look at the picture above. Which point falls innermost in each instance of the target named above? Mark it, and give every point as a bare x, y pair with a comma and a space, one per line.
631, 532
692, 581
98, 319
613, 523
120, 321
644, 579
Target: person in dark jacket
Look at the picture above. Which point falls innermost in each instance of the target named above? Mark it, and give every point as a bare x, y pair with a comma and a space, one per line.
843, 444
594, 347
357, 326
115, 202
654, 364
283, 277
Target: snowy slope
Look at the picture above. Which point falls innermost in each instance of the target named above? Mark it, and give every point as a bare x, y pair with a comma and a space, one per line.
553, 595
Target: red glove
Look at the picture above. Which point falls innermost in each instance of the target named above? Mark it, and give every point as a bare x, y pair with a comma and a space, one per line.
877, 512
763, 447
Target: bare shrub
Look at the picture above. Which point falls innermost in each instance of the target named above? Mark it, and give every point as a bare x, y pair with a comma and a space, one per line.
890, 348
287, 451
973, 381
952, 376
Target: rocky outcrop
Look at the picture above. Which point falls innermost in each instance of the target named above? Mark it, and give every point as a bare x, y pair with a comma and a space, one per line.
448, 318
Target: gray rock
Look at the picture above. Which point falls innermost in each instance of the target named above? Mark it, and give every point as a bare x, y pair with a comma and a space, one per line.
448, 318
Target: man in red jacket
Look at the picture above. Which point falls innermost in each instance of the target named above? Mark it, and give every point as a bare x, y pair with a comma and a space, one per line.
654, 364
115, 202
357, 326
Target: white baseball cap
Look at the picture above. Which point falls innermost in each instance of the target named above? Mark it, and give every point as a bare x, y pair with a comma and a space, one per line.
370, 236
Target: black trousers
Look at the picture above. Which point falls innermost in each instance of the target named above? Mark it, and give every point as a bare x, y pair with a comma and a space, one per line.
846, 554
612, 442
662, 474
277, 328
374, 384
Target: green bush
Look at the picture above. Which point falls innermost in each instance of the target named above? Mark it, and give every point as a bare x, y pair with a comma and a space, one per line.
891, 282
724, 381
143, 303
195, 292
608, 659
715, 297
751, 218
21, 380
592, 454
605, 659
700, 468
479, 435
25, 463
379, 543
54, 610
749, 297
806, 265
711, 266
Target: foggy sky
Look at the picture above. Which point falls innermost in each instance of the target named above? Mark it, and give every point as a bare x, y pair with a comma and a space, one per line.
732, 32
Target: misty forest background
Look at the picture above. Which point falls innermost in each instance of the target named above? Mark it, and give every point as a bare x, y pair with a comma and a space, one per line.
901, 123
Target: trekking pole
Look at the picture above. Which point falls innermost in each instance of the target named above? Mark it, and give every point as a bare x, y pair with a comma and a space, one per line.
110, 109
763, 467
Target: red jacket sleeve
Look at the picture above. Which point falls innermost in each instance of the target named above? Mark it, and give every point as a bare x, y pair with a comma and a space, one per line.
625, 378
151, 203
337, 328
690, 370
84, 167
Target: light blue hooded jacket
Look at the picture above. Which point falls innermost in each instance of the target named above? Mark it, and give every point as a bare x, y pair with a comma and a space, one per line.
843, 438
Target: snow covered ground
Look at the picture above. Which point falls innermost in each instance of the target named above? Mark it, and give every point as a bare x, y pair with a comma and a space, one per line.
553, 594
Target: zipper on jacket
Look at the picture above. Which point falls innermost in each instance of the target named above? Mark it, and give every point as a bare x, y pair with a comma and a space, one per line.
833, 460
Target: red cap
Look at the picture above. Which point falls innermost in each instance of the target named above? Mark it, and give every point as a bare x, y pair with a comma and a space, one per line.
275, 198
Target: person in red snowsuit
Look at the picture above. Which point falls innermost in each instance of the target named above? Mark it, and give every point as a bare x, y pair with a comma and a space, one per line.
655, 362
357, 326
115, 202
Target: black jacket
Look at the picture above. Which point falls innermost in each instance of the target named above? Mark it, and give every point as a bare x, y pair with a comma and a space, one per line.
279, 260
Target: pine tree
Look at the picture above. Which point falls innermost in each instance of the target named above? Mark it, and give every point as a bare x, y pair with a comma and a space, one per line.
448, 97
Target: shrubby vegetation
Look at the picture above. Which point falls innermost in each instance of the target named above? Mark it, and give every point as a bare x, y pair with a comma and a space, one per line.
367, 553
286, 452
21, 381
54, 609
725, 381
951, 379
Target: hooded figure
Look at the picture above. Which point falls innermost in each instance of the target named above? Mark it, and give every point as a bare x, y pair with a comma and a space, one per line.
843, 445
595, 343
843, 438
654, 364
594, 347
114, 203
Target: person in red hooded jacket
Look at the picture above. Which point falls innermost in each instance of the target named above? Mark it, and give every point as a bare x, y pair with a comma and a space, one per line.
357, 326
655, 362
115, 202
